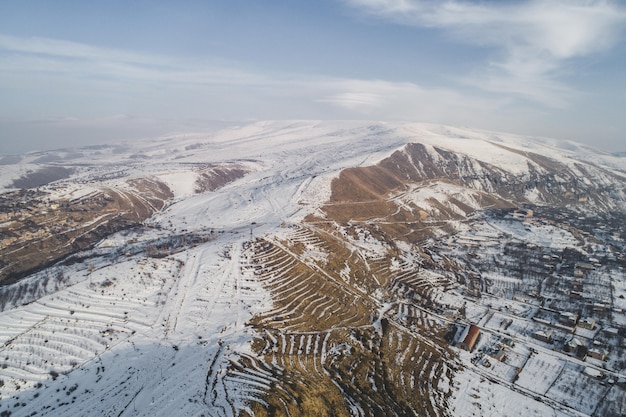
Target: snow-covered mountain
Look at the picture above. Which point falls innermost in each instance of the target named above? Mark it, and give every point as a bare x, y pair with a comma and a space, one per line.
314, 268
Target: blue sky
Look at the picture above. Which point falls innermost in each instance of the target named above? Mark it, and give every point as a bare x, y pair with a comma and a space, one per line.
79, 72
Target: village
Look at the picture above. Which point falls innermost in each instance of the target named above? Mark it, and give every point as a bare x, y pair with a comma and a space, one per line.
544, 310
39, 226
26, 215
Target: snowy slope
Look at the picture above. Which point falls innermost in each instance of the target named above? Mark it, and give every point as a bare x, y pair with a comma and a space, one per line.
122, 333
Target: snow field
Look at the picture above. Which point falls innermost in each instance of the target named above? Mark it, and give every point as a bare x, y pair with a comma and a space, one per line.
431, 197
538, 234
474, 395
578, 390
182, 184
63, 331
162, 316
540, 372
212, 329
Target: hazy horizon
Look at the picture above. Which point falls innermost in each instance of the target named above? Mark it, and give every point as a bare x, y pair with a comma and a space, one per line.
75, 74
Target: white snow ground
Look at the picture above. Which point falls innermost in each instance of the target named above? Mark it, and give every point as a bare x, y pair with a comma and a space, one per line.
144, 337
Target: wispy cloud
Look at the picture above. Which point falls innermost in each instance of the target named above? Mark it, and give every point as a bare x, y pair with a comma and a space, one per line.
408, 101
43, 77
535, 40
55, 56
76, 88
194, 87
67, 49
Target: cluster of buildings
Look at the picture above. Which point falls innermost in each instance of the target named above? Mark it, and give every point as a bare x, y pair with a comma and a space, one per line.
570, 296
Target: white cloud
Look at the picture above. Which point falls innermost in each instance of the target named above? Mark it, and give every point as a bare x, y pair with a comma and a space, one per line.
82, 85
59, 79
535, 39
125, 82
67, 49
55, 56
380, 99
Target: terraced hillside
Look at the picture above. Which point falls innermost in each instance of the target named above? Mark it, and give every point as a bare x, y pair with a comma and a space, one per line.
60, 333
332, 269
362, 299
329, 345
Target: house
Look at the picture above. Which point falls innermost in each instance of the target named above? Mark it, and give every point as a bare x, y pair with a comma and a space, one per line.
598, 353
508, 342
521, 214
585, 266
471, 338
587, 323
577, 285
573, 344
600, 307
568, 319
499, 355
542, 321
543, 336
594, 373
576, 294
576, 347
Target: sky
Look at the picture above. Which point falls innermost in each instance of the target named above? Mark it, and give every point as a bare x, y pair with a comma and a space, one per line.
79, 72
